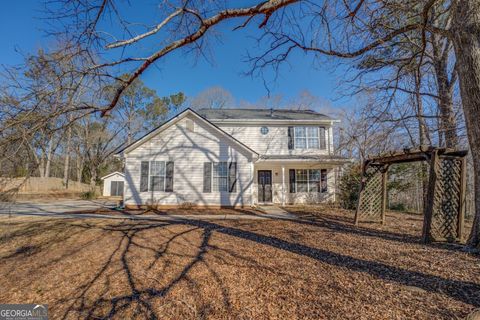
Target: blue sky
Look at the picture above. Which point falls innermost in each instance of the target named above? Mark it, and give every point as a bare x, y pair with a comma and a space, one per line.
22, 30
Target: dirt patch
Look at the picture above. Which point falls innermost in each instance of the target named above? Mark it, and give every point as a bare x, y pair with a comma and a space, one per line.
317, 268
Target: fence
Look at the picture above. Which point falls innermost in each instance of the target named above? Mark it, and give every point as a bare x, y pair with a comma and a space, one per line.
40, 185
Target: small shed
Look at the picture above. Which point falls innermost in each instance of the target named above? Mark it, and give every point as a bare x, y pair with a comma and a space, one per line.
113, 184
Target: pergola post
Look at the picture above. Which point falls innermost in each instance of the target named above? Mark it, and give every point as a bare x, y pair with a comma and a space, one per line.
384, 192
463, 187
360, 194
428, 210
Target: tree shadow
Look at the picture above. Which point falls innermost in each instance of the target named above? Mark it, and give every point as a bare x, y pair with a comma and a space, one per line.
468, 292
344, 224
139, 300
95, 298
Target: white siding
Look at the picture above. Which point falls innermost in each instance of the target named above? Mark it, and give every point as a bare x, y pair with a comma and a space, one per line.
188, 150
107, 183
275, 142
299, 197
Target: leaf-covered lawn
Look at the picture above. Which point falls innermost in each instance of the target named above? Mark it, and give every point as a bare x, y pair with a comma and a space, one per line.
319, 267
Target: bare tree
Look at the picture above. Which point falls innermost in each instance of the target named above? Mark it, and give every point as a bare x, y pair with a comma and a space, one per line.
213, 98
342, 29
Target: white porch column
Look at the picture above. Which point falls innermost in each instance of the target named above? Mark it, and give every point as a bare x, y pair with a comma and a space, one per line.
283, 185
252, 177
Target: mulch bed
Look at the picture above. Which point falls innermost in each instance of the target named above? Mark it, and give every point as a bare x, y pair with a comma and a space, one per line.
320, 267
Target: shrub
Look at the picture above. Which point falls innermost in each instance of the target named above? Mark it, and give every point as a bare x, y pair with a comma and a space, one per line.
398, 207
186, 205
89, 195
349, 187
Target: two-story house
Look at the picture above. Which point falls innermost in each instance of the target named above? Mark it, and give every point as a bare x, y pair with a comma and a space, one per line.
233, 157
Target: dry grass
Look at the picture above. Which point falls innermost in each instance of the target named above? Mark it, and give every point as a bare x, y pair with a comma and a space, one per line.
320, 267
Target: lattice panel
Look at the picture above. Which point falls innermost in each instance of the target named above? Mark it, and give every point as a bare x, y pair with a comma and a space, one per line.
370, 205
446, 200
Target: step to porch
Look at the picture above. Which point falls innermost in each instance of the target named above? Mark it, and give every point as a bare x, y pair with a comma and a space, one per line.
274, 210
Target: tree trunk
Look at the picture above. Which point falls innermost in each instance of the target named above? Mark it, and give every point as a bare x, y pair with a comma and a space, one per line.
93, 178
66, 167
48, 158
79, 168
448, 123
424, 136
41, 166
466, 35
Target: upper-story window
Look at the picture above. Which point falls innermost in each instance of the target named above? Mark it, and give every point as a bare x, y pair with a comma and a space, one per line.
309, 137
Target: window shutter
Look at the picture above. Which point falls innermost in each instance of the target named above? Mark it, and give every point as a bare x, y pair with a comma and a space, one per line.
169, 176
144, 167
291, 173
290, 138
322, 138
207, 177
323, 179
232, 177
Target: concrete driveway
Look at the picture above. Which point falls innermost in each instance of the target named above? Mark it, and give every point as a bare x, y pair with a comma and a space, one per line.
53, 206
64, 209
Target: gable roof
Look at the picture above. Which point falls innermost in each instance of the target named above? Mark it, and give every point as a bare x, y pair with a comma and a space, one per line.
111, 174
172, 121
262, 114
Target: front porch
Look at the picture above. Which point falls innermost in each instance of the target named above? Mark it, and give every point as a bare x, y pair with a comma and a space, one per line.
294, 181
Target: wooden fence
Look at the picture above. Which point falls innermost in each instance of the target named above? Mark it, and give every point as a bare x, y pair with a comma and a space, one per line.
40, 185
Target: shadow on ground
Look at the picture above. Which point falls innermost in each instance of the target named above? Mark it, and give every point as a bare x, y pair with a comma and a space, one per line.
175, 269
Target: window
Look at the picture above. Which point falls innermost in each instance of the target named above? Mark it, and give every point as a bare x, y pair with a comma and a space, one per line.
300, 138
307, 138
157, 176
312, 138
264, 130
302, 180
220, 176
324, 183
309, 180
314, 180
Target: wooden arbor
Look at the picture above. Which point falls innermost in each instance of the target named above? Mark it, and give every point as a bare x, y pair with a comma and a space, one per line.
444, 208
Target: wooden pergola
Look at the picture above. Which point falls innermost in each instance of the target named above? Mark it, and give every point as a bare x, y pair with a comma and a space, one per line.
444, 206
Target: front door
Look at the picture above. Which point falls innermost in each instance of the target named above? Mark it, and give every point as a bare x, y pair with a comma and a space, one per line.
116, 188
264, 186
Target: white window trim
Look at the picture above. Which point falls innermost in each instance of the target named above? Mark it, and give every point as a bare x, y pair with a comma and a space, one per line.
150, 189
308, 181
296, 180
306, 138
216, 177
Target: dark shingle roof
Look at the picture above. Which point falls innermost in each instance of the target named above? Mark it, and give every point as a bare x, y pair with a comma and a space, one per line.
261, 114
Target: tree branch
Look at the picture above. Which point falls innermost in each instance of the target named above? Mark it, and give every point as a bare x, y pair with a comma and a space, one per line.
266, 7
159, 26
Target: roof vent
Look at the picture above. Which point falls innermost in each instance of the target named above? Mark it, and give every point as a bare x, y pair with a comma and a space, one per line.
190, 125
